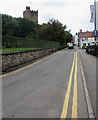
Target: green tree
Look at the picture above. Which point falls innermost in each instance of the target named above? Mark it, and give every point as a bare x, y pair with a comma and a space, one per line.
17, 27
68, 36
42, 31
21, 27
53, 31
56, 30
26, 27
9, 25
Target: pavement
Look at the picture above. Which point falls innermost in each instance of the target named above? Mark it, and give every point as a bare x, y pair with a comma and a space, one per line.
51, 87
89, 67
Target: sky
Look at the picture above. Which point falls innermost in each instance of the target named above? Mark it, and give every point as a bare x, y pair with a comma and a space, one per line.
75, 14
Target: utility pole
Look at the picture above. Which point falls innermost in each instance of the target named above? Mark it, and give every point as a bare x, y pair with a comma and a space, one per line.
95, 17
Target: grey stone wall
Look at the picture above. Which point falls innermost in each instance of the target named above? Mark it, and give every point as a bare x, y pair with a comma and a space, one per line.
30, 14
16, 58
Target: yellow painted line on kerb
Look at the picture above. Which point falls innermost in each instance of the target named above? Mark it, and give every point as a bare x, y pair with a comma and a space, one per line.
74, 105
27, 66
66, 101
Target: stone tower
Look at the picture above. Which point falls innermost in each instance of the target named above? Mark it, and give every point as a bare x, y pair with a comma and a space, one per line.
30, 15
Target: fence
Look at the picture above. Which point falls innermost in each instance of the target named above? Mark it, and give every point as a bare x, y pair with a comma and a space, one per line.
14, 42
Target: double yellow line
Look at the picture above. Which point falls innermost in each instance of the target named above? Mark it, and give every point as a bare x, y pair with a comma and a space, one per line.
67, 97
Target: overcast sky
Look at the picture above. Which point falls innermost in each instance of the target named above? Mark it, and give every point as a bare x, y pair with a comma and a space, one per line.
73, 13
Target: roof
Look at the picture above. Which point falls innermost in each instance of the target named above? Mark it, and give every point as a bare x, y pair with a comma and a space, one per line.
86, 34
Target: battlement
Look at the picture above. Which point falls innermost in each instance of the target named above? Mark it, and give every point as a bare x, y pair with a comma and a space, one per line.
35, 12
30, 14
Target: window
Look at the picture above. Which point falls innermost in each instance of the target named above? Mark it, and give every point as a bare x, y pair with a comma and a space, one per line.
88, 44
84, 44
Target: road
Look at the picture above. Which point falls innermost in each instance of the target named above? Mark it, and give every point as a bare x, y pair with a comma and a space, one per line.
51, 87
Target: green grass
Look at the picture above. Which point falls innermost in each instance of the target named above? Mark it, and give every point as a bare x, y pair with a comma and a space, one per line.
16, 49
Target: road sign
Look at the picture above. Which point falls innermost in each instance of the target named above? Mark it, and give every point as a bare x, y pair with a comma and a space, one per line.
95, 32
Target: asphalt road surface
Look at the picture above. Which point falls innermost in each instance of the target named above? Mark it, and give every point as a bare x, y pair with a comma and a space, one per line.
52, 87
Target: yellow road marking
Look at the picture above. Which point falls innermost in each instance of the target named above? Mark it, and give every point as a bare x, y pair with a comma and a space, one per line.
74, 106
65, 106
27, 66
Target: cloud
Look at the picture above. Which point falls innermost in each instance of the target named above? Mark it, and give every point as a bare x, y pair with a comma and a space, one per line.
74, 13
53, 4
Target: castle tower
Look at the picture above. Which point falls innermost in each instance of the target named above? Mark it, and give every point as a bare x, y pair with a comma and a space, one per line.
30, 15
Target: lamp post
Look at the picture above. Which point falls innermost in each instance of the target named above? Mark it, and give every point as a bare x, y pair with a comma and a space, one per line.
95, 17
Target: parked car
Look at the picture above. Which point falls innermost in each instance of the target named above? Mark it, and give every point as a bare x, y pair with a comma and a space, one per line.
92, 49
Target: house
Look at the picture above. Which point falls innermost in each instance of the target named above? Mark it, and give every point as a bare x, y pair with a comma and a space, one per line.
86, 38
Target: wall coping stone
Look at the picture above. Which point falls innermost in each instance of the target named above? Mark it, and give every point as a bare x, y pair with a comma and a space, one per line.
23, 51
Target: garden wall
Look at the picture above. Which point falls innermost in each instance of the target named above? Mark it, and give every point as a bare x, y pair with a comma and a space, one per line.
16, 58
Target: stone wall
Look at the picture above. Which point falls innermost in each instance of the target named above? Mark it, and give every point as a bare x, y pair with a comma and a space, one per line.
30, 15
16, 58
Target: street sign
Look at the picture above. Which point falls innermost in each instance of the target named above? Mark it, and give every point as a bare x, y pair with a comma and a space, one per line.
95, 32
83, 40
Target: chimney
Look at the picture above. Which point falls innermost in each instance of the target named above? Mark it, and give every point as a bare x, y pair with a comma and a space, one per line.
80, 30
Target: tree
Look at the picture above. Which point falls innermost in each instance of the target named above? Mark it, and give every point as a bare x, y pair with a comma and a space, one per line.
56, 30
21, 27
26, 27
53, 31
68, 36
17, 27
9, 25
42, 31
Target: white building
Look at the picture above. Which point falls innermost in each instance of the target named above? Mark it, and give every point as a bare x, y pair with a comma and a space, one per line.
76, 39
86, 39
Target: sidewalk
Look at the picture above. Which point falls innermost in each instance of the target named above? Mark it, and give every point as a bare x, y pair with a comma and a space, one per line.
89, 67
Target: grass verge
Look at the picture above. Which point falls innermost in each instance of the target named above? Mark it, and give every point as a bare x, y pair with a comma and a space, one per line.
16, 49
